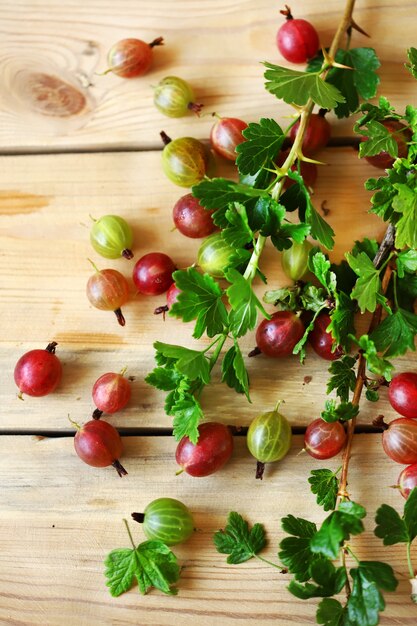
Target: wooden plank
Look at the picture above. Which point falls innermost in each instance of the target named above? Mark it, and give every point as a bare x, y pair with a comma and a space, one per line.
53, 549
45, 202
217, 46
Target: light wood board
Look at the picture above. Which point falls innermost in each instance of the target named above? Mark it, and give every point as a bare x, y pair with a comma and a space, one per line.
60, 518
45, 203
217, 46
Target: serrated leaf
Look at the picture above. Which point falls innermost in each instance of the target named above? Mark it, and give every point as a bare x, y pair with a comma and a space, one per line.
239, 541
238, 233
343, 378
244, 304
379, 139
152, 564
187, 415
410, 514
234, 372
334, 412
320, 266
368, 285
365, 601
331, 613
342, 321
218, 193
337, 528
324, 484
200, 299
405, 203
390, 527
330, 581
395, 335
295, 551
406, 262
412, 65
263, 143
163, 378
320, 229
372, 395
295, 87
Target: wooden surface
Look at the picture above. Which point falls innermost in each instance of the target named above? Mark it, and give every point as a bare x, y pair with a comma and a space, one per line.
60, 517
70, 41
52, 560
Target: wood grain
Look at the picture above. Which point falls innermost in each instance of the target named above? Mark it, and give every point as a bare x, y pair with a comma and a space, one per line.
45, 203
216, 45
60, 518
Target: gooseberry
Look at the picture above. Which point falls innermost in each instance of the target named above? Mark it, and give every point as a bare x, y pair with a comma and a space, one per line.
214, 255
268, 439
111, 393
184, 160
172, 297
152, 274
322, 341
278, 336
131, 57
407, 480
212, 450
402, 394
294, 261
167, 520
226, 134
297, 39
174, 97
38, 372
108, 290
191, 218
112, 237
399, 440
323, 440
98, 443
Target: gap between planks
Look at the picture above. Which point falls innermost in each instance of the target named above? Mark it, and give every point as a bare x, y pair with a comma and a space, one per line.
337, 142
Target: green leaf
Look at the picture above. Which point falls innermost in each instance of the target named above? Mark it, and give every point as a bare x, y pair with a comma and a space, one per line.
190, 363
152, 564
412, 65
200, 299
218, 193
285, 298
395, 335
320, 229
295, 552
163, 378
359, 82
331, 613
342, 320
405, 203
337, 528
239, 233
263, 142
368, 285
330, 581
313, 298
379, 140
324, 485
406, 262
378, 365
244, 304
296, 87
372, 395
334, 412
239, 541
410, 514
319, 264
157, 567
343, 378
299, 347
390, 527
120, 570
366, 601
187, 415
234, 372
407, 292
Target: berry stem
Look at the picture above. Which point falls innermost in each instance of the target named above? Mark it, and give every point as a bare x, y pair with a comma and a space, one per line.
159, 41
195, 108
119, 468
127, 254
260, 468
51, 347
97, 414
120, 318
138, 517
165, 139
360, 376
129, 533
